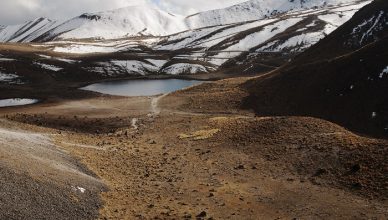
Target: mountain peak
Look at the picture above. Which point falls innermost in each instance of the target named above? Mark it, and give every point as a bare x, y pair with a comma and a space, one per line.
147, 19
256, 10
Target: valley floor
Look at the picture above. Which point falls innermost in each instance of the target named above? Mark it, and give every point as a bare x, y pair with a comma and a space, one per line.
196, 154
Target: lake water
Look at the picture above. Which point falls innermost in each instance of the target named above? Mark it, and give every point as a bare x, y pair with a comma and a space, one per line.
141, 87
16, 102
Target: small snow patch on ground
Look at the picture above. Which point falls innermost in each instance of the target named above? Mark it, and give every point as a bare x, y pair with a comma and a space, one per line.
82, 190
385, 71
79, 189
134, 123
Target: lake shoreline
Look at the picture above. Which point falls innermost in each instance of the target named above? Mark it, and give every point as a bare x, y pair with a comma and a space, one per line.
54, 91
134, 88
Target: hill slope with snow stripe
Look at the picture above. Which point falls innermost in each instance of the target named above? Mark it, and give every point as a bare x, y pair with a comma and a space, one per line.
28, 31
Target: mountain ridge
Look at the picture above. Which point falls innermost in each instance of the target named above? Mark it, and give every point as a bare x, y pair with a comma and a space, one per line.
143, 20
249, 47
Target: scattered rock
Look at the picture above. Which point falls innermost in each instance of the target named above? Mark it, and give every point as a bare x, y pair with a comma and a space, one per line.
201, 215
355, 168
320, 172
357, 186
187, 216
239, 167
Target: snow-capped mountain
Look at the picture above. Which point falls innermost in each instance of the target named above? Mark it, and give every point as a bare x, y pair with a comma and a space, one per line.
257, 35
147, 20
255, 10
124, 22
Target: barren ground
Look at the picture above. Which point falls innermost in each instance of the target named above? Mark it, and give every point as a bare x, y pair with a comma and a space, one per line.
196, 154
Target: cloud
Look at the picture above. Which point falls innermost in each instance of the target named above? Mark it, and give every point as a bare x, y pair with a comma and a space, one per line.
187, 7
18, 11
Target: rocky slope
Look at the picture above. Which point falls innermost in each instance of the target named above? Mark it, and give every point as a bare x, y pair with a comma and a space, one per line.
39, 180
343, 78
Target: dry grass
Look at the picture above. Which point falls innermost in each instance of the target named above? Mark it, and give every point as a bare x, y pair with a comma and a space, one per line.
200, 135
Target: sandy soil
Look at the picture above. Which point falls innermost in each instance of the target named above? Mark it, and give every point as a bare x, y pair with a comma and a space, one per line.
195, 154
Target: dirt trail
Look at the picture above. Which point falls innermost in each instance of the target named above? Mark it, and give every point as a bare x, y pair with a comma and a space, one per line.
155, 109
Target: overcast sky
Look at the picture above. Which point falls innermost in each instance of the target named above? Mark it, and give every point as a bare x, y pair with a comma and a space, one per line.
18, 11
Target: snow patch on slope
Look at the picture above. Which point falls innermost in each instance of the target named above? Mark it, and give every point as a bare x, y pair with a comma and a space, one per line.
15, 102
4, 77
185, 68
367, 29
294, 44
84, 49
48, 67
134, 66
157, 63
255, 39
6, 59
